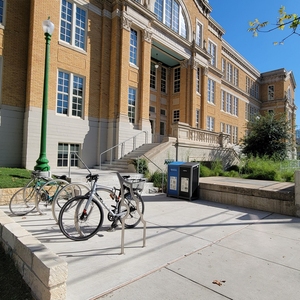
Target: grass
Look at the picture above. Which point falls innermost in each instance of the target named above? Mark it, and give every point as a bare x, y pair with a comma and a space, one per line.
14, 177
13, 287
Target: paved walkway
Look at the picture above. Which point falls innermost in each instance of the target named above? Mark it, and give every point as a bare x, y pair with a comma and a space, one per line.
194, 250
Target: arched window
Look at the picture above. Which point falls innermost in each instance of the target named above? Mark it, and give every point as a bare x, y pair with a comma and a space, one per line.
170, 13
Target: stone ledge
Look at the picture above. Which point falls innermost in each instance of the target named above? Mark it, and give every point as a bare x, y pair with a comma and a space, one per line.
43, 271
281, 200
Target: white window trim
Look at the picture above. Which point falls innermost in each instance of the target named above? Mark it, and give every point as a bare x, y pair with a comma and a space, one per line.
199, 42
71, 45
216, 50
70, 95
138, 46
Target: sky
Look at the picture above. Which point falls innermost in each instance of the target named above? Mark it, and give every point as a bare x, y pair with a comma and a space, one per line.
234, 17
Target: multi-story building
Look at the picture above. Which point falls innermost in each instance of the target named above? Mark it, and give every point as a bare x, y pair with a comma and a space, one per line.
156, 70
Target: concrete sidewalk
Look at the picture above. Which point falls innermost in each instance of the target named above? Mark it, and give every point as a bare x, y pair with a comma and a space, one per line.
194, 250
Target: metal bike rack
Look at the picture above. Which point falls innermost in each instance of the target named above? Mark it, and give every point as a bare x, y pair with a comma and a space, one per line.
129, 184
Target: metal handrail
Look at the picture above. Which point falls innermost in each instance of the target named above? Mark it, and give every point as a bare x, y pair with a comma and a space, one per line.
123, 146
162, 172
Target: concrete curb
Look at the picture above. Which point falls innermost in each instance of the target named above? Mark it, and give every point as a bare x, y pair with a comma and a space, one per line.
43, 270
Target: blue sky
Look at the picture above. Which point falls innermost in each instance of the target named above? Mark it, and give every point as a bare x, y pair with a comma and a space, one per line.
234, 17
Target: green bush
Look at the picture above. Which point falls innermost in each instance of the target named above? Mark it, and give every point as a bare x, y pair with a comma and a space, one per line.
141, 166
157, 178
205, 171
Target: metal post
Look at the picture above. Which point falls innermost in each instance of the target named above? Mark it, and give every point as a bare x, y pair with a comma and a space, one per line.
42, 161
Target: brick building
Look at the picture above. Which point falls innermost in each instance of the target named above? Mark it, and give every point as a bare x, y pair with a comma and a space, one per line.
154, 70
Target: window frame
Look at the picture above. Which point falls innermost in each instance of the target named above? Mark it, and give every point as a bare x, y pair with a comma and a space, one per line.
73, 26
212, 50
131, 108
198, 81
74, 159
62, 92
271, 92
153, 76
176, 81
211, 90
210, 123
176, 115
199, 34
133, 47
164, 80
166, 12
197, 118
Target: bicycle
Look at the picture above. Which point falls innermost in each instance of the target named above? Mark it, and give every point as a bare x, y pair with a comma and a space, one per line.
38, 193
82, 217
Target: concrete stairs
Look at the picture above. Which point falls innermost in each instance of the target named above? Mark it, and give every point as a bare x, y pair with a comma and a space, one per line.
122, 165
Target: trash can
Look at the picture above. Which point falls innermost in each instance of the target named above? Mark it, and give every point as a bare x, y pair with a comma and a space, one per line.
189, 181
173, 178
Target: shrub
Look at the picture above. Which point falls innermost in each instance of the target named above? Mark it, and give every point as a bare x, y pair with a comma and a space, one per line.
141, 166
158, 178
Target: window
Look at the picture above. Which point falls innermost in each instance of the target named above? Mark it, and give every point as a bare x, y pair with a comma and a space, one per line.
162, 128
198, 80
177, 80
2, 12
223, 66
69, 94
176, 115
235, 106
170, 13
252, 88
199, 34
212, 51
228, 103
131, 104
223, 95
247, 111
248, 85
222, 127
210, 122
153, 76
211, 91
234, 135
65, 156
271, 92
163, 112
197, 118
236, 76
73, 24
163, 80
229, 72
133, 46
152, 109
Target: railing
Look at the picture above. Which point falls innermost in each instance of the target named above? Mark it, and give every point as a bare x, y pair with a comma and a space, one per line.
122, 144
162, 172
183, 131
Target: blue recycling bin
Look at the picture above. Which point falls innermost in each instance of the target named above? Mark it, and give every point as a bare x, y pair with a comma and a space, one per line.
173, 178
189, 181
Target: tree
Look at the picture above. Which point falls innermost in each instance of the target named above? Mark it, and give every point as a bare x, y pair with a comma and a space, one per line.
267, 135
284, 20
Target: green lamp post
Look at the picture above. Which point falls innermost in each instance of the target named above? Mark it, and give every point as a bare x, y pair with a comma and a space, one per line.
42, 162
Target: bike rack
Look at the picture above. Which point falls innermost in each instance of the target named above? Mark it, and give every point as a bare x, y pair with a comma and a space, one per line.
129, 184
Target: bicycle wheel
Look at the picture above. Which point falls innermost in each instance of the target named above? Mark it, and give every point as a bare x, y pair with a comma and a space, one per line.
133, 218
66, 193
23, 201
47, 193
77, 224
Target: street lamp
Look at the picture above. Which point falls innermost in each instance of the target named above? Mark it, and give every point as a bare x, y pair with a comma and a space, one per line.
42, 161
